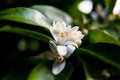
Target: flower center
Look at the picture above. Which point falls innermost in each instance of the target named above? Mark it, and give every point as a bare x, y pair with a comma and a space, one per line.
63, 34
58, 58
75, 33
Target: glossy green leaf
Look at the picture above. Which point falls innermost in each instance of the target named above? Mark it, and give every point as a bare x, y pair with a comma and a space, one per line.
99, 36
32, 34
41, 72
54, 14
25, 15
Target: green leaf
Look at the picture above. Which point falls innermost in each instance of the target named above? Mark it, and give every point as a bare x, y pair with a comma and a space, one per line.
20, 70
41, 72
32, 34
99, 56
54, 14
85, 67
99, 36
25, 15
94, 69
113, 31
110, 5
15, 75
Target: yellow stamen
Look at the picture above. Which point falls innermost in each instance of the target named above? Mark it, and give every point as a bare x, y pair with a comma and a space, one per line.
63, 34
58, 58
75, 33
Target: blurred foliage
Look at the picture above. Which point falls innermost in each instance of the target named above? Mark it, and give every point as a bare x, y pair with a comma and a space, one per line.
24, 31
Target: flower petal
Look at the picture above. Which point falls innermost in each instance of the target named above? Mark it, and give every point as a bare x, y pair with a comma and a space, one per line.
63, 24
58, 67
61, 41
79, 42
53, 47
68, 28
59, 26
71, 43
53, 33
62, 50
70, 50
80, 35
75, 28
48, 55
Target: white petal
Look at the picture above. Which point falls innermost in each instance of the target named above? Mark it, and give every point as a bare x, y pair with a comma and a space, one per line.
61, 41
79, 42
70, 50
53, 47
63, 24
62, 50
80, 35
58, 26
54, 22
53, 32
55, 29
58, 67
75, 28
68, 28
71, 43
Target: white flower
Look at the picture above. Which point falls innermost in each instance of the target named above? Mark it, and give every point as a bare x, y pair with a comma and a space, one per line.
67, 39
60, 32
63, 33
75, 35
59, 54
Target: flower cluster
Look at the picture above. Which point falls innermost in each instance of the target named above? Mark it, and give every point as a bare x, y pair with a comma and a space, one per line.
67, 39
63, 33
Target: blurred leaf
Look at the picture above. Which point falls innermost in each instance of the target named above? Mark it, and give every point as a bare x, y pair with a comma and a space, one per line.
25, 15
54, 14
77, 16
19, 70
110, 5
34, 45
22, 45
41, 72
99, 56
26, 32
98, 36
78, 71
96, 64
15, 75
93, 68
107, 50
113, 31
85, 67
